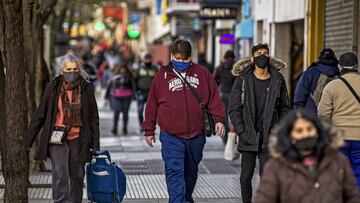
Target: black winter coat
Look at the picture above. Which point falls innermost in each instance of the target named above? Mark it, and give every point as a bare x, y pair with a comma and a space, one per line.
45, 115
243, 114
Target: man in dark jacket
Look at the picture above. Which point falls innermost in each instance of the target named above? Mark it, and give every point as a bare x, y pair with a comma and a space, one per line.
327, 65
258, 99
224, 77
144, 77
172, 105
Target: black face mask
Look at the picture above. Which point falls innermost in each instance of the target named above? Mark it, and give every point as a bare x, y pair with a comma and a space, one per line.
307, 144
70, 77
262, 61
148, 64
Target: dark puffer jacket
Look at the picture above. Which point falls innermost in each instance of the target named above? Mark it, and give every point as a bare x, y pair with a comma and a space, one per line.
243, 114
285, 180
44, 118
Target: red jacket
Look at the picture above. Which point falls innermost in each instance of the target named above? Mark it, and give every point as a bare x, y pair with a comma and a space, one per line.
175, 109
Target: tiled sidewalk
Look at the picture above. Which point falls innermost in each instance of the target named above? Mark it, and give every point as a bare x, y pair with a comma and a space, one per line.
218, 179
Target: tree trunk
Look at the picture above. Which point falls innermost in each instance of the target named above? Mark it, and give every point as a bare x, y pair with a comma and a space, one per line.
29, 14
40, 72
2, 106
29, 56
2, 86
16, 165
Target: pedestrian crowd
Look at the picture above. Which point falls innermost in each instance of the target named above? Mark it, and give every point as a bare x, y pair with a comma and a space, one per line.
310, 153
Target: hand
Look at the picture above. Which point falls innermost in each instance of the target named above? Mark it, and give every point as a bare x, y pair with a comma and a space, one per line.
150, 140
93, 151
220, 129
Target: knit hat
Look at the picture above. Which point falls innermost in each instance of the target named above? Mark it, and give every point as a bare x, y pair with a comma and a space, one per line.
327, 57
348, 60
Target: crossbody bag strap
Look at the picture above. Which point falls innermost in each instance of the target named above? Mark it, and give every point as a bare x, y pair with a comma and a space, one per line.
191, 89
350, 88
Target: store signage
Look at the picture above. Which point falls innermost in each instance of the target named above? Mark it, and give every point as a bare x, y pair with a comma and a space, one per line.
218, 13
227, 39
114, 12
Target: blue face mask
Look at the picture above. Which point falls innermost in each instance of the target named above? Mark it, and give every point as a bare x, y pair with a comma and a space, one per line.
181, 66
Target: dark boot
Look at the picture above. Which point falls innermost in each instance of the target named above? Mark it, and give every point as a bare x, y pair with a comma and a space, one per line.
124, 131
114, 131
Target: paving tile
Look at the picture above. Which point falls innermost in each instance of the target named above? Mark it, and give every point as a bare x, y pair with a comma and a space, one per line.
218, 179
154, 187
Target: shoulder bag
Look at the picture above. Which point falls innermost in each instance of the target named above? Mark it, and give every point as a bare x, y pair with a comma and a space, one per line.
209, 123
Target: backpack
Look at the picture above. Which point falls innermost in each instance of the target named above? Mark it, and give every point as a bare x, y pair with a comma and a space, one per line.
320, 85
106, 182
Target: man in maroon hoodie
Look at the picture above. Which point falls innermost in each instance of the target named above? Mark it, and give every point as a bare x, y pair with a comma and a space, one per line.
171, 104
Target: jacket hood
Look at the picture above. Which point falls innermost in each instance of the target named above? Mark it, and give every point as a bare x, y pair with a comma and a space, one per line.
241, 65
329, 70
332, 61
337, 141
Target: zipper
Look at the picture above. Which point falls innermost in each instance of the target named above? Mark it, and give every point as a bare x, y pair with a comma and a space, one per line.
116, 182
272, 105
266, 101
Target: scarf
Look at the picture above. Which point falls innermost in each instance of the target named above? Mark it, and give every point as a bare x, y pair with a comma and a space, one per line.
72, 109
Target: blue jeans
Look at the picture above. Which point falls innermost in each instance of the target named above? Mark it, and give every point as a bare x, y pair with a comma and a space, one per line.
181, 158
352, 151
141, 100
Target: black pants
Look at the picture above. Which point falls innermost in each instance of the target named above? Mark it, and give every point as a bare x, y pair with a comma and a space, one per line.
225, 99
123, 106
248, 164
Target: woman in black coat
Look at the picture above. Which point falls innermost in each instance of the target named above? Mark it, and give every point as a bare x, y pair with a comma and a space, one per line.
69, 119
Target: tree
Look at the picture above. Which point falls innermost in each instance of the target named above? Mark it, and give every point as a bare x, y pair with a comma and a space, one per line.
16, 161
2, 86
35, 14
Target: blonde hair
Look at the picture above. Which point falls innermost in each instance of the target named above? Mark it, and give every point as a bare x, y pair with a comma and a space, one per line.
72, 59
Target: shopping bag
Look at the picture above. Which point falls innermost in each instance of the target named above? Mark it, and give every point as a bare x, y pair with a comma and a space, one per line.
231, 152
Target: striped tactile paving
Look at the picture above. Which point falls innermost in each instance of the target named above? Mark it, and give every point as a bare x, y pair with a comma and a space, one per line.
154, 187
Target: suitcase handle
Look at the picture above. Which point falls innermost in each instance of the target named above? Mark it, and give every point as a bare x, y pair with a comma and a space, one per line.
102, 153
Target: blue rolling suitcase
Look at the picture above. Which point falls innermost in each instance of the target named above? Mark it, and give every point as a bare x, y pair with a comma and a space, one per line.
106, 182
